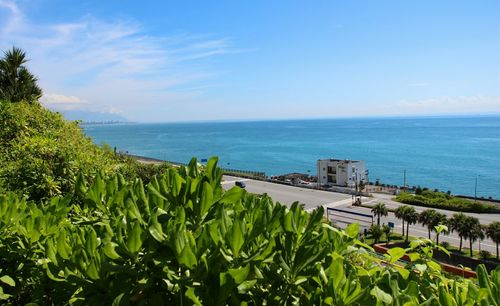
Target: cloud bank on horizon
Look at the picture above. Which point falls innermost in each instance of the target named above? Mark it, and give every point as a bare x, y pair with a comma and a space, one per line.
127, 66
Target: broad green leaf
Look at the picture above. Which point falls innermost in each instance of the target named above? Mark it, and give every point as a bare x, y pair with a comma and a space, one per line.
212, 165
434, 266
109, 249
120, 300
336, 271
444, 297
240, 274
206, 198
51, 251
92, 271
246, 285
396, 254
288, 222
190, 294
134, 241
300, 279
414, 256
155, 192
381, 295
236, 238
233, 195
187, 257
421, 267
403, 272
352, 230
51, 275
8, 280
156, 231
91, 241
155, 228
63, 249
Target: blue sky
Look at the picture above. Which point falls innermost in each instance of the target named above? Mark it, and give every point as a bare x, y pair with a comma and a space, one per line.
230, 60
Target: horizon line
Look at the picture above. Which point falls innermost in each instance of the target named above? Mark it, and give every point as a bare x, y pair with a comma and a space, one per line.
403, 116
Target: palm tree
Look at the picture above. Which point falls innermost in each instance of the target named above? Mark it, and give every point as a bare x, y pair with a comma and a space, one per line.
379, 210
457, 224
493, 232
474, 230
426, 218
411, 217
431, 218
16, 82
400, 213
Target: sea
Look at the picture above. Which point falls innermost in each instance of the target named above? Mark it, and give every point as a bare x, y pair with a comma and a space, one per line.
457, 154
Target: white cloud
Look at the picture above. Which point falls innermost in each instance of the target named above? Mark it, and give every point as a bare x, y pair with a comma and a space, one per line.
52, 98
453, 105
110, 65
62, 102
460, 104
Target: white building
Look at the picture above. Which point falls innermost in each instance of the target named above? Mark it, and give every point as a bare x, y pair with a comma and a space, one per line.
341, 172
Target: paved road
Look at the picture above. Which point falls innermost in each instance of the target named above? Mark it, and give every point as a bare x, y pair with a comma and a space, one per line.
287, 194
312, 198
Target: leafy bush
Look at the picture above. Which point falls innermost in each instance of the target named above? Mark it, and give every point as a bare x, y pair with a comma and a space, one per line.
445, 201
183, 240
41, 153
445, 244
131, 169
483, 254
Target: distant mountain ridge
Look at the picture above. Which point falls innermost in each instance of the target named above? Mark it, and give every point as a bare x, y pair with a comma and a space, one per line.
87, 116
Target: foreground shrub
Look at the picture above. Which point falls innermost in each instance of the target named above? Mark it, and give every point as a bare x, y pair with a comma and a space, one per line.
444, 201
183, 240
41, 153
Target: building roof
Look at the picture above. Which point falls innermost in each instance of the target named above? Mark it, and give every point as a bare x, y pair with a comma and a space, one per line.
340, 160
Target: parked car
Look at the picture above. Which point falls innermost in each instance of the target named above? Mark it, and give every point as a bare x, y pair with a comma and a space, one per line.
240, 184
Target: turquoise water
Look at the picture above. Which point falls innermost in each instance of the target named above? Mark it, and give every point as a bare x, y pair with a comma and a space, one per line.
445, 153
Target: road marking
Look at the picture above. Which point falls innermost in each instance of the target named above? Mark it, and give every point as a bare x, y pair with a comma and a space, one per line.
332, 204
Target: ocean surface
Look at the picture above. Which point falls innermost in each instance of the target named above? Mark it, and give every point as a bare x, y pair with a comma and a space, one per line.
447, 153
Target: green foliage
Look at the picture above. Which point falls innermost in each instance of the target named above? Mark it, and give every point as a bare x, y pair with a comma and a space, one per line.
409, 215
41, 153
379, 210
474, 230
376, 232
16, 82
386, 229
432, 219
483, 254
131, 169
183, 240
444, 201
493, 232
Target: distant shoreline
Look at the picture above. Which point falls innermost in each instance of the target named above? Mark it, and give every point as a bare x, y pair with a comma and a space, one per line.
250, 120
150, 160
446, 154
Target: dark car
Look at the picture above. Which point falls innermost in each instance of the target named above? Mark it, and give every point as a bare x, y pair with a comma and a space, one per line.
240, 184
